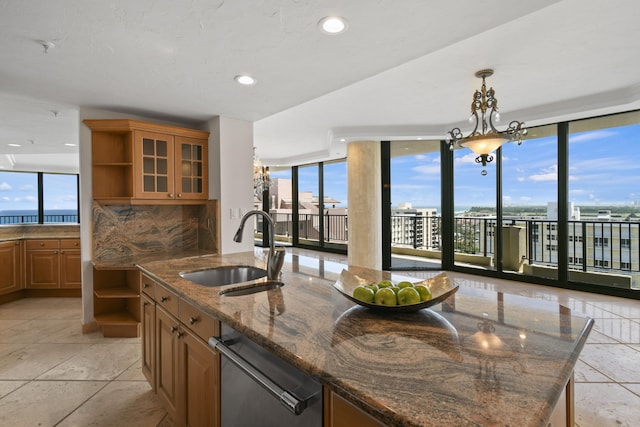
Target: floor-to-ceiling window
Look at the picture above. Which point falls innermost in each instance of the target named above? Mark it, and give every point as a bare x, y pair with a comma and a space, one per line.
308, 198
334, 206
604, 194
474, 193
530, 204
415, 204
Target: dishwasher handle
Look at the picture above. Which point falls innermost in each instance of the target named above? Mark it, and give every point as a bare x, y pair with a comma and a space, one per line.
285, 397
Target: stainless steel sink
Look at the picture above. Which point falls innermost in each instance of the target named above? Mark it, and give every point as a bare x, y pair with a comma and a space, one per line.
221, 276
252, 289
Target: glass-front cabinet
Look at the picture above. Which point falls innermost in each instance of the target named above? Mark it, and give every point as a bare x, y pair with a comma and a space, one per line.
140, 162
171, 167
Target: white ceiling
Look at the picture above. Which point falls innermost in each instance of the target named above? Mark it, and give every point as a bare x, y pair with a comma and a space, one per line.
403, 69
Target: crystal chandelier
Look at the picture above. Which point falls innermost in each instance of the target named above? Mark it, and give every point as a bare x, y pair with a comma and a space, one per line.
261, 180
485, 138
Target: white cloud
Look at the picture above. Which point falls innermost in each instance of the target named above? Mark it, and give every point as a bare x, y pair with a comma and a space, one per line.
26, 199
5, 199
427, 169
27, 187
526, 198
550, 176
5, 186
592, 136
521, 179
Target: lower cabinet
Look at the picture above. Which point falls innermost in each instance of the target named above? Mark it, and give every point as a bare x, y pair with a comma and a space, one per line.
176, 359
53, 264
338, 412
10, 266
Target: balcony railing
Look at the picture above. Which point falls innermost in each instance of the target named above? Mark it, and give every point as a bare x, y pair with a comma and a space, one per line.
602, 246
33, 219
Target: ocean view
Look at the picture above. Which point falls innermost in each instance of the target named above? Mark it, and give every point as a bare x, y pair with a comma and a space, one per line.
17, 216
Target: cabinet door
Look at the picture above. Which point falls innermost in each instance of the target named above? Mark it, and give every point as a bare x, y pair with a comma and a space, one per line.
166, 360
200, 382
191, 172
10, 267
341, 413
70, 268
148, 319
154, 166
43, 269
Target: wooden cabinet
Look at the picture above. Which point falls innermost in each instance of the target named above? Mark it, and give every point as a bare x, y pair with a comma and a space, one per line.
176, 359
148, 323
338, 412
139, 162
10, 265
116, 301
70, 264
53, 264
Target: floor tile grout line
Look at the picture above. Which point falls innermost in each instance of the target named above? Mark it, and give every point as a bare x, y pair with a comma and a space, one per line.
83, 403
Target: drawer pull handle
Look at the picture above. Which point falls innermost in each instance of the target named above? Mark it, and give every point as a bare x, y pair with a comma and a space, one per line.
164, 299
145, 285
193, 320
173, 329
180, 334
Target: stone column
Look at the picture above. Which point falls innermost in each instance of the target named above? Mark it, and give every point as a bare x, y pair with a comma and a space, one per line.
364, 204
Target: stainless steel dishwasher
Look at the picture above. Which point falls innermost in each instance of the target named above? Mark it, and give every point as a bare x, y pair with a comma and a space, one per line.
259, 389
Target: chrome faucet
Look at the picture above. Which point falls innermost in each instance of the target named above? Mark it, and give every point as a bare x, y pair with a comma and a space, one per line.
276, 255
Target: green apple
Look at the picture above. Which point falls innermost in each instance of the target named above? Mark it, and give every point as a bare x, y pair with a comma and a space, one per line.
364, 294
385, 296
408, 295
405, 284
385, 284
425, 293
373, 287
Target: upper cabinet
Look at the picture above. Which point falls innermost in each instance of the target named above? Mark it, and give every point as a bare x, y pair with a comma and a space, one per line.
139, 162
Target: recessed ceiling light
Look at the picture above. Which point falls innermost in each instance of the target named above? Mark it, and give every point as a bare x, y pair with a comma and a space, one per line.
245, 79
14, 145
343, 140
333, 25
69, 144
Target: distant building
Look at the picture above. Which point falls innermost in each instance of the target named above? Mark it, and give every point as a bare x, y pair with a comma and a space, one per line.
415, 227
281, 210
572, 211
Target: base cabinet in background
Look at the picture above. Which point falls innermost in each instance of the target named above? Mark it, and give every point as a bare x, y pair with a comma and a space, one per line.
10, 266
53, 264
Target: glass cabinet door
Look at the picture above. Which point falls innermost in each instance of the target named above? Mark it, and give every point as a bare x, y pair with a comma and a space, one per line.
156, 155
191, 168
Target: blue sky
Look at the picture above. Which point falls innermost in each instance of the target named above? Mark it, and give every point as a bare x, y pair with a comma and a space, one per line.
19, 191
604, 169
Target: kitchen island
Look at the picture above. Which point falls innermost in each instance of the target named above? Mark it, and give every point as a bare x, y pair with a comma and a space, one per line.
482, 357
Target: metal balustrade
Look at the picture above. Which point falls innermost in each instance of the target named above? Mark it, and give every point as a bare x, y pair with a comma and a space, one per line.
594, 245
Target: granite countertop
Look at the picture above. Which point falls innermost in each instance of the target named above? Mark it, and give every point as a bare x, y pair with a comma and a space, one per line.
410, 369
10, 232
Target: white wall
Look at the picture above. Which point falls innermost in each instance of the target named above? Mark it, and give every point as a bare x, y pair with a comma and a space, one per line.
231, 178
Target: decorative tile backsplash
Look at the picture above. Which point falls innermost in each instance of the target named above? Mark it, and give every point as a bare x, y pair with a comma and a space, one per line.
138, 230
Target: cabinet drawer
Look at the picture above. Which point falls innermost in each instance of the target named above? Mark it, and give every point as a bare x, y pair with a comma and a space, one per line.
43, 244
70, 244
166, 299
204, 325
148, 287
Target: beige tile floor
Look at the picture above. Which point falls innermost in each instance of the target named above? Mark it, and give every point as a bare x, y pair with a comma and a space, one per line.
53, 375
